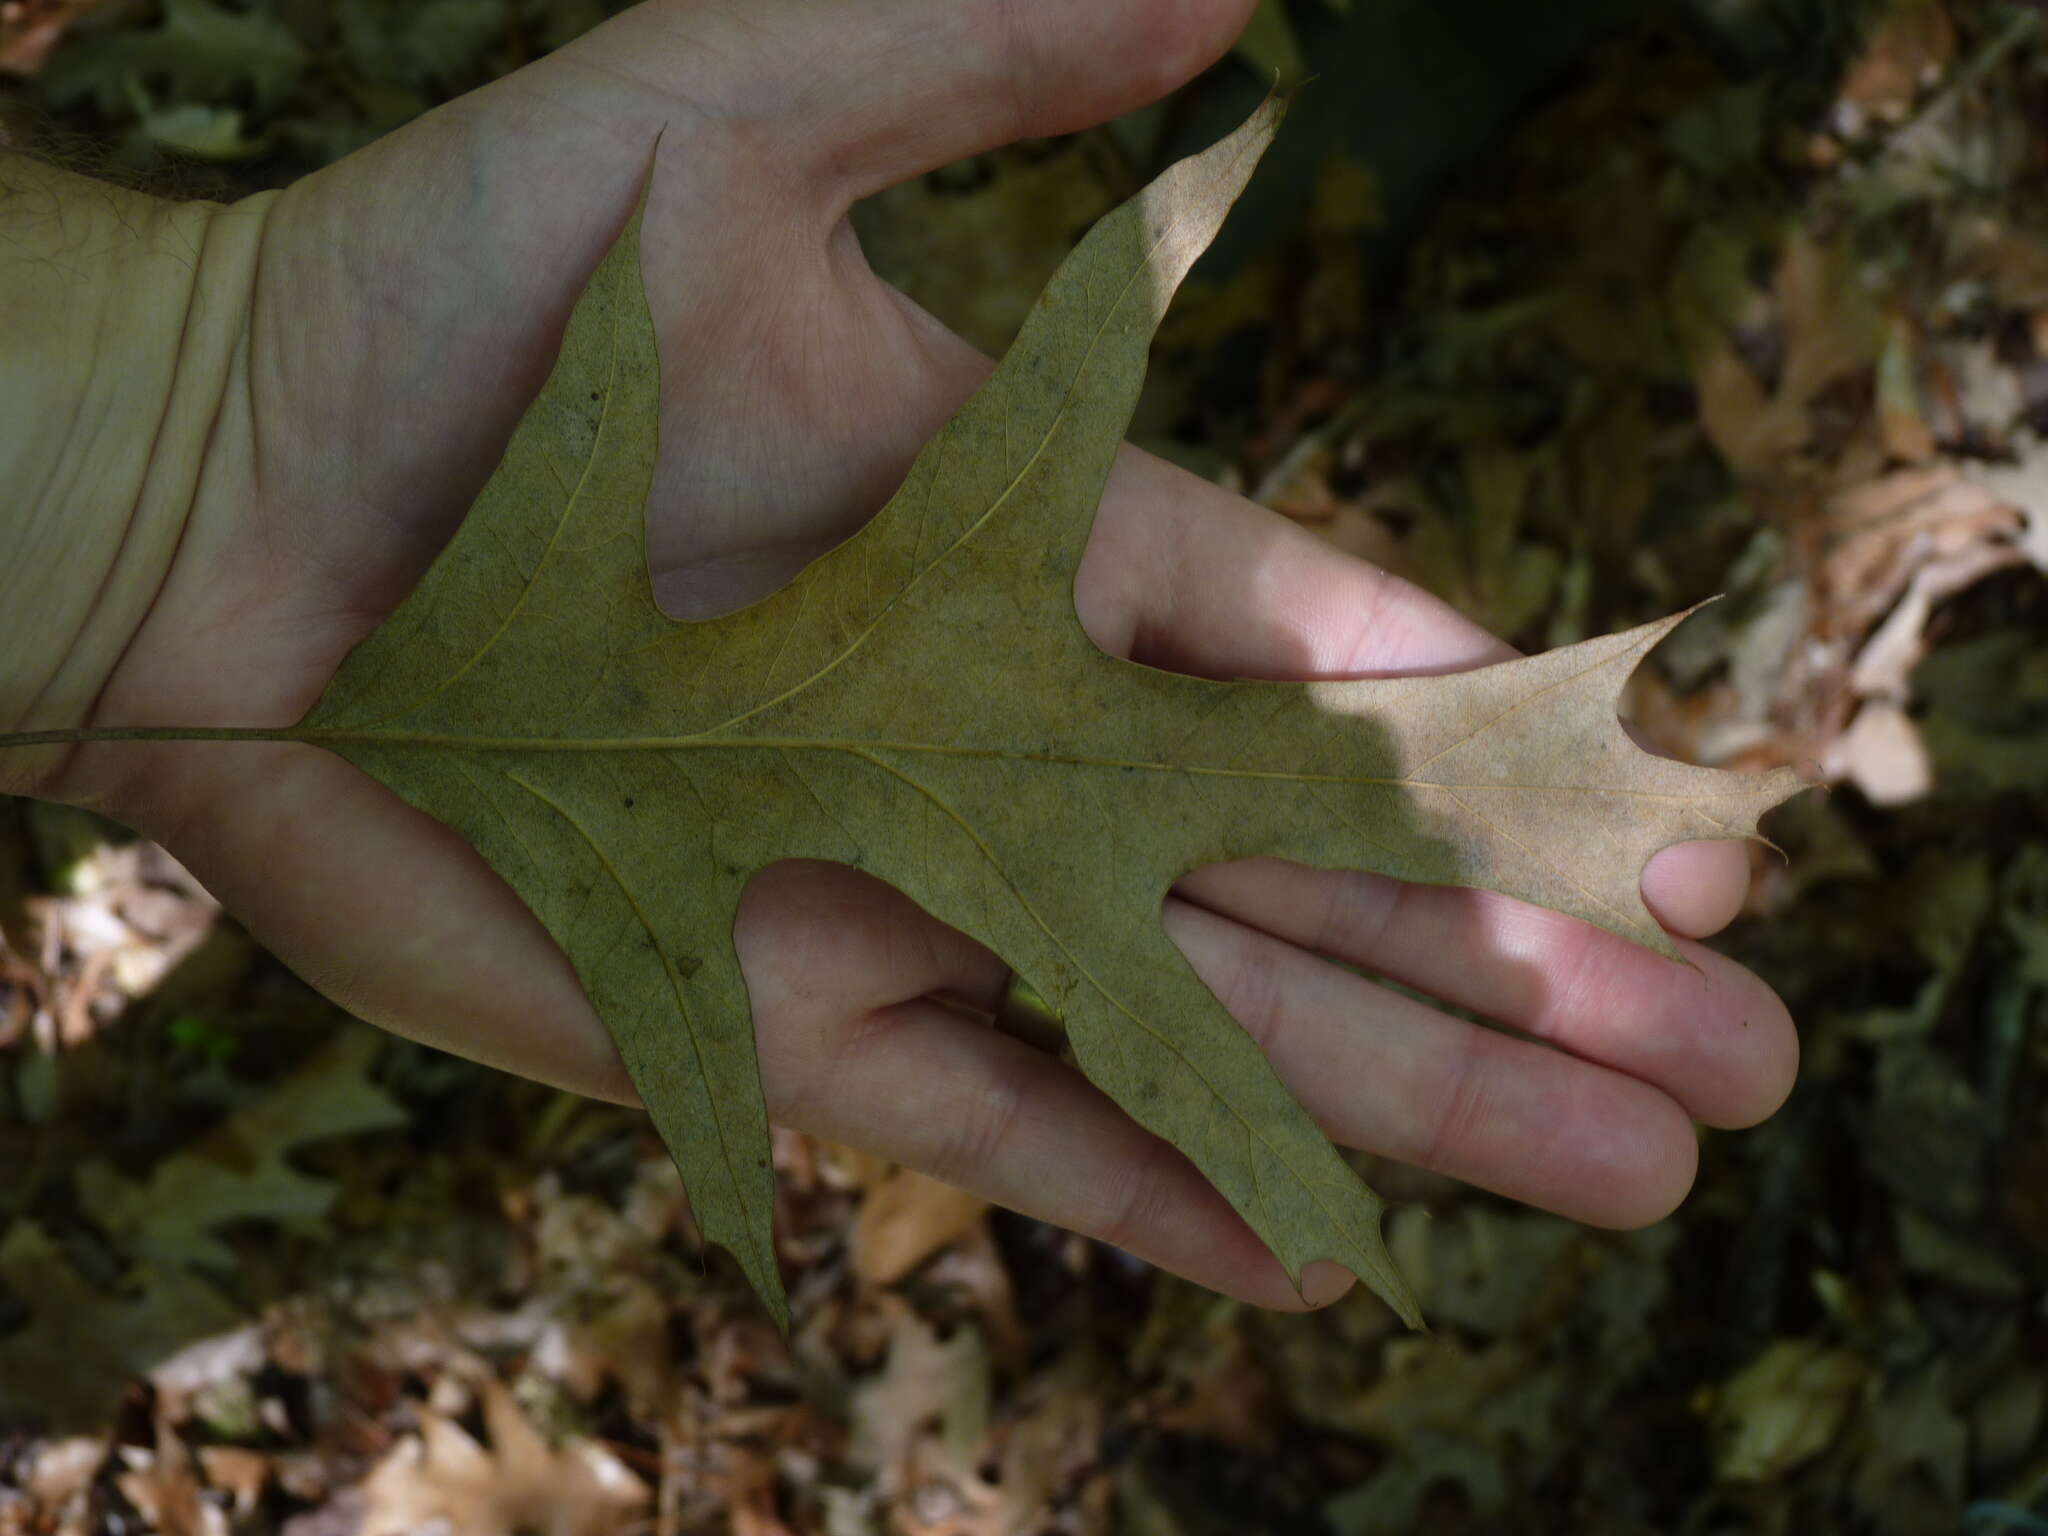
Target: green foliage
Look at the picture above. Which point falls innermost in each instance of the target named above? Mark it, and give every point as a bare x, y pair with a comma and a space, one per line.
201, 52
88, 1333
396, 42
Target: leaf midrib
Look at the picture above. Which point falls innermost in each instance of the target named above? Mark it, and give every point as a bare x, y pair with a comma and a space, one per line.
337, 740
437, 741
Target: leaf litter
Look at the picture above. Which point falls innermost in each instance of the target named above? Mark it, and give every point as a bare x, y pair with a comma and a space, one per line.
1910, 969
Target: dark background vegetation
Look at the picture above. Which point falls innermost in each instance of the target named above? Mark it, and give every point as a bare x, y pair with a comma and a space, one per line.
1577, 314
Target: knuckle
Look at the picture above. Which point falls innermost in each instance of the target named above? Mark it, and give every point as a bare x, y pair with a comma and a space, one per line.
1583, 970
976, 1140
1255, 996
1361, 912
1454, 1115
1143, 1194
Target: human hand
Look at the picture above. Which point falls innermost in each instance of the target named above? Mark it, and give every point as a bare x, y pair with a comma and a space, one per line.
402, 308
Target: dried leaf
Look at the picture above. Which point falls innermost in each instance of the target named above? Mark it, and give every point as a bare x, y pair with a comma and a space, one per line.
163, 1485
628, 774
445, 1479
1900, 423
1915, 1455
925, 1382
1881, 753
1903, 56
905, 1220
1783, 1408
1829, 330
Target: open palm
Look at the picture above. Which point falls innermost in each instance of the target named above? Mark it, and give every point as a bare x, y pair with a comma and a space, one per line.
403, 307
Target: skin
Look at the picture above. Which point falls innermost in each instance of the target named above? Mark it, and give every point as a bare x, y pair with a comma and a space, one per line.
245, 432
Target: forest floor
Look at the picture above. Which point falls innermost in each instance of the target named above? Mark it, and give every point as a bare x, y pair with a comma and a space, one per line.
1690, 321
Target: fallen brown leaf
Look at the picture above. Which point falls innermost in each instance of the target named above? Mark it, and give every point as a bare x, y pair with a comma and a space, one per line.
906, 1219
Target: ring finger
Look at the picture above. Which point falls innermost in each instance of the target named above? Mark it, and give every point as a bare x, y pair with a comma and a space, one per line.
1382, 1072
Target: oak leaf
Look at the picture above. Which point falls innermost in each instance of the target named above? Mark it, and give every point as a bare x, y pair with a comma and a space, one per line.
922, 703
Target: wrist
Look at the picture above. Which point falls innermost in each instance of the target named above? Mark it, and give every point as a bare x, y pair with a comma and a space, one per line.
122, 318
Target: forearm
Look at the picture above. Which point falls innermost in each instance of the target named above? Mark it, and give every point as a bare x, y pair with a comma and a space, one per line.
120, 317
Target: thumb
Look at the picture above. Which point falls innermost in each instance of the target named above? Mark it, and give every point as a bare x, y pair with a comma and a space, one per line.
443, 260
867, 95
